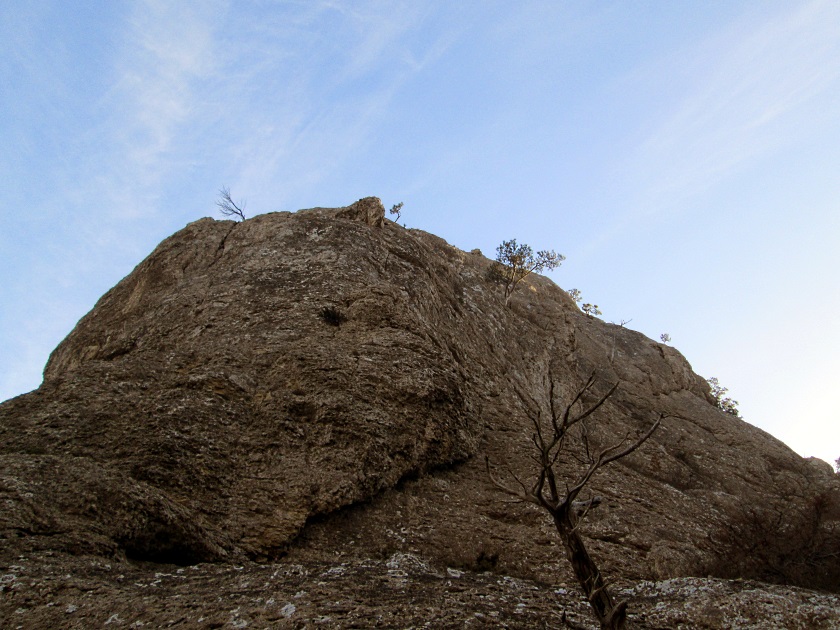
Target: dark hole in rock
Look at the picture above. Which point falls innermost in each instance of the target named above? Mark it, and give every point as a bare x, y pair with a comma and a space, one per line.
332, 316
163, 545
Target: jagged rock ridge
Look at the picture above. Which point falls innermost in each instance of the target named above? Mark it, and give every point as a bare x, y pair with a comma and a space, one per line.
314, 383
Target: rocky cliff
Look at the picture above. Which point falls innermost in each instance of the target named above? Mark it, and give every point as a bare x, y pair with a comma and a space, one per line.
301, 387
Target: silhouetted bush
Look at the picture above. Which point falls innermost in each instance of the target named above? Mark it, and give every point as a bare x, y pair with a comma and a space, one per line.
780, 542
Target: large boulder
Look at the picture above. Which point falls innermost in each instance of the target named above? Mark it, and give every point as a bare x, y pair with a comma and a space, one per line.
331, 374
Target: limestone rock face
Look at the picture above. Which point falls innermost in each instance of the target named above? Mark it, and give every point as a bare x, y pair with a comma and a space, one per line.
328, 382
209, 398
368, 210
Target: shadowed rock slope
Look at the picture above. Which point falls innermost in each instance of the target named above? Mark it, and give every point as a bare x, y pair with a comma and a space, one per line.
327, 382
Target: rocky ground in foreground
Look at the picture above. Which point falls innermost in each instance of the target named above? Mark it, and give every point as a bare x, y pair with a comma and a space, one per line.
402, 591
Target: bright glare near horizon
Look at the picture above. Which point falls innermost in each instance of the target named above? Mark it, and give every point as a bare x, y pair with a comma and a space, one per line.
683, 156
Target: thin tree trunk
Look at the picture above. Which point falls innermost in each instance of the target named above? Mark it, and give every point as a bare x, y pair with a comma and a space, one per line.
610, 615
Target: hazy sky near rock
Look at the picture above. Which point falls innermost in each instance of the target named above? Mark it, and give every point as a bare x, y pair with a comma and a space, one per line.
683, 156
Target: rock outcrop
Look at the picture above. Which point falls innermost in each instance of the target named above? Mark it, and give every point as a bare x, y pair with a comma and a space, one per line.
303, 385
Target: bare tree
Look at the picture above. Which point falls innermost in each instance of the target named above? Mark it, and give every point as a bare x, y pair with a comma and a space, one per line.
516, 262
228, 207
559, 497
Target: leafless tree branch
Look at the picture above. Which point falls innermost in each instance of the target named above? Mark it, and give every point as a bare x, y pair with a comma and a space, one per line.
604, 458
566, 511
227, 206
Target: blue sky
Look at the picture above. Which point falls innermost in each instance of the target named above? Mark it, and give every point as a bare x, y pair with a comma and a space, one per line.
683, 156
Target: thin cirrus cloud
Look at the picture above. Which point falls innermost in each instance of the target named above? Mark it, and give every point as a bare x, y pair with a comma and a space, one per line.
168, 52
103, 141
266, 104
375, 34
754, 96
321, 101
738, 96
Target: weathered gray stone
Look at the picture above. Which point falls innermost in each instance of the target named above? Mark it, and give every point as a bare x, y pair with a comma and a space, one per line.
305, 385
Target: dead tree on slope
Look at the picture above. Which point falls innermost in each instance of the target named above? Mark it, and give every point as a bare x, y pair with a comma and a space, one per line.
227, 206
559, 497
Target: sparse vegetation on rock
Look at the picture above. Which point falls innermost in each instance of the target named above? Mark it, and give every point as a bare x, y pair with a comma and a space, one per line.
723, 402
515, 262
591, 309
396, 209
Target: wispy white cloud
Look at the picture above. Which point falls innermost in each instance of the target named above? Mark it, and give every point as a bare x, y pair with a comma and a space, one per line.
373, 34
751, 94
321, 99
168, 51
740, 95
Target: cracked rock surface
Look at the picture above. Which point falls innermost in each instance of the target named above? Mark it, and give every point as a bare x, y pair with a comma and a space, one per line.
320, 388
402, 591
